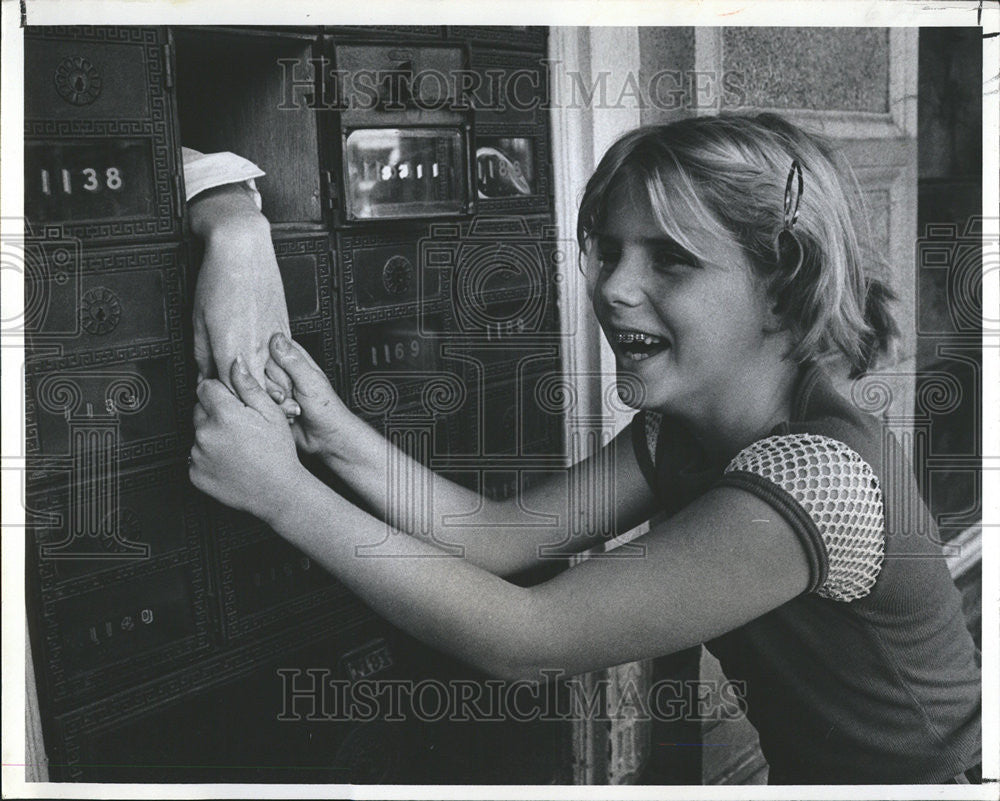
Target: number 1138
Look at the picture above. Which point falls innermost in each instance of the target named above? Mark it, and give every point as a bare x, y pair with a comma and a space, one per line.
88, 180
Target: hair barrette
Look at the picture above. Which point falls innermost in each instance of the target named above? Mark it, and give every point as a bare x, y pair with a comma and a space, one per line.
787, 245
792, 212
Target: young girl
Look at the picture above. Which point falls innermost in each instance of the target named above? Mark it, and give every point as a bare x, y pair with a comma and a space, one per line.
722, 260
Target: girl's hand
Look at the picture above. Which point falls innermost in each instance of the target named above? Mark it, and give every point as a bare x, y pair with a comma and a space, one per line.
323, 414
243, 454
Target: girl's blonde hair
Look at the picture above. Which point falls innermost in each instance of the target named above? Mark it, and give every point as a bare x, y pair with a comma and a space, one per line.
730, 172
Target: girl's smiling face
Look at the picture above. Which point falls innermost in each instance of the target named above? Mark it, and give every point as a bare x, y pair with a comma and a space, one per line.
694, 331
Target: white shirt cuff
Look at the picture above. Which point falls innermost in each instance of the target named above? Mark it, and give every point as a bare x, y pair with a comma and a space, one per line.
207, 170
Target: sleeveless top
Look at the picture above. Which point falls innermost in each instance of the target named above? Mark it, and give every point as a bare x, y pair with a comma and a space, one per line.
870, 675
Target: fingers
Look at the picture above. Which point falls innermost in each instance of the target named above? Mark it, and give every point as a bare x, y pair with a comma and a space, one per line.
251, 392
255, 361
285, 352
214, 396
279, 387
200, 415
274, 373
222, 370
293, 359
290, 408
288, 405
305, 355
276, 393
252, 361
202, 349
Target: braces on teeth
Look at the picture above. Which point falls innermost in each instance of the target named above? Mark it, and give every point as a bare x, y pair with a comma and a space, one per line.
625, 337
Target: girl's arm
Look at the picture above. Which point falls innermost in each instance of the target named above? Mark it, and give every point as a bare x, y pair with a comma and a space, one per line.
723, 560
503, 537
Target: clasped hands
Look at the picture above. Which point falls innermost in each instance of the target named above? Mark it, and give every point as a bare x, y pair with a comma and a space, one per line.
244, 451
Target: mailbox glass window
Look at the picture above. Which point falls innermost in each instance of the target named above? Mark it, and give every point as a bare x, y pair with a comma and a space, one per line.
394, 173
505, 167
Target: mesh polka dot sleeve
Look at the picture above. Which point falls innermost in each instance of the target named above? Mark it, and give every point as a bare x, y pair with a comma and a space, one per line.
832, 498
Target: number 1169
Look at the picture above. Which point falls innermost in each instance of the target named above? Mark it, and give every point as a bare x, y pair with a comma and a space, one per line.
395, 353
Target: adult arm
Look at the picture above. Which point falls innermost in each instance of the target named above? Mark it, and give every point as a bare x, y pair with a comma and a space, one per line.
239, 301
